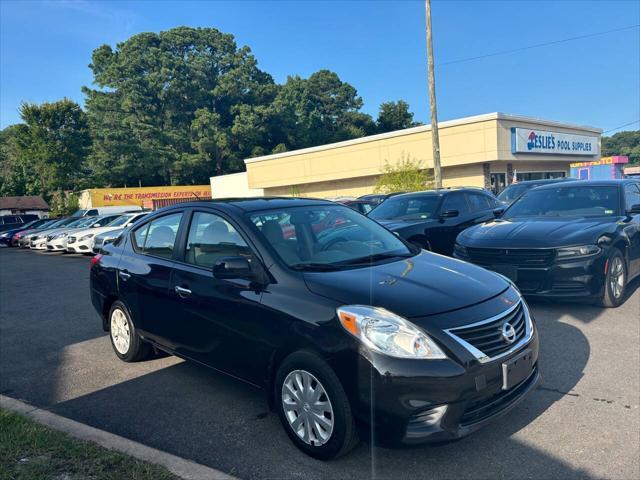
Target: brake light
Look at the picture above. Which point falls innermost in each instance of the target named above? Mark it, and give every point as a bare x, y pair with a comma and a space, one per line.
96, 259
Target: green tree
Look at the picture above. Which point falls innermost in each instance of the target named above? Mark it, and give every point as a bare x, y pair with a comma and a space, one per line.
166, 105
48, 152
406, 175
623, 143
395, 116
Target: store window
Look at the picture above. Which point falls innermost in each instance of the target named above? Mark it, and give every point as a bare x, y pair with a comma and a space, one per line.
524, 176
498, 182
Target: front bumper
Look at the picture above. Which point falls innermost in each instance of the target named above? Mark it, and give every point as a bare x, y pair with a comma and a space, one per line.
57, 245
38, 244
405, 402
80, 247
568, 279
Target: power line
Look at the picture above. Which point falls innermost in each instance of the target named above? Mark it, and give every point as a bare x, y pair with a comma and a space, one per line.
538, 45
621, 126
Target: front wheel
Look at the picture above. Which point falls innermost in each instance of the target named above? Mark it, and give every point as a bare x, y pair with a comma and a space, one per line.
125, 341
313, 407
615, 280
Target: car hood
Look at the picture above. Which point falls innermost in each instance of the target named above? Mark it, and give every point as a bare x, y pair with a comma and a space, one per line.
396, 225
425, 284
537, 232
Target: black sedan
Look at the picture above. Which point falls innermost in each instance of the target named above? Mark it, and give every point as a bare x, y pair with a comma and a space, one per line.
367, 332
433, 219
515, 190
575, 240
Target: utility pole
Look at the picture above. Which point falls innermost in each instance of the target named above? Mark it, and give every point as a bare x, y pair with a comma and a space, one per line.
435, 138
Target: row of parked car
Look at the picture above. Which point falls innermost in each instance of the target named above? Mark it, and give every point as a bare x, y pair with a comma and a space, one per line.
349, 327
80, 233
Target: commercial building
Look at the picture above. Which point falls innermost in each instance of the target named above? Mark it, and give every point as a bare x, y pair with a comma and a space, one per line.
28, 204
607, 168
233, 185
484, 151
145, 197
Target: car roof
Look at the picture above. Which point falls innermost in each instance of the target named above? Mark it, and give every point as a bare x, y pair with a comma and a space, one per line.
593, 183
543, 181
443, 191
253, 204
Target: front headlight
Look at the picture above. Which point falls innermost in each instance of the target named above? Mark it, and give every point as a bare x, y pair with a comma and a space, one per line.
60, 235
460, 251
86, 237
579, 251
4, 235
387, 333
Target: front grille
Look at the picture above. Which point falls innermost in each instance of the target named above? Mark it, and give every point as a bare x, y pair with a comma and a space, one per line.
488, 336
487, 407
71, 240
97, 243
511, 256
49, 238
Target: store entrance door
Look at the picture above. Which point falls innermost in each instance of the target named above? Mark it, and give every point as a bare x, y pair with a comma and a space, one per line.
498, 182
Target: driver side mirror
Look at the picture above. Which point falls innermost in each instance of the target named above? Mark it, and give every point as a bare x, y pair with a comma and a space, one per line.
449, 214
497, 212
634, 210
232, 267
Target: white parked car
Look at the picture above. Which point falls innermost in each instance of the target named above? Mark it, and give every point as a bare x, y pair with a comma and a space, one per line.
93, 212
57, 240
82, 241
38, 239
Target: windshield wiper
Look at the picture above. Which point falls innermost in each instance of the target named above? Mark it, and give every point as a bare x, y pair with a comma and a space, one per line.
316, 267
374, 258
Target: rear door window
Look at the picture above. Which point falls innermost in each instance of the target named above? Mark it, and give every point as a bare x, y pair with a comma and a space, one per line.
158, 237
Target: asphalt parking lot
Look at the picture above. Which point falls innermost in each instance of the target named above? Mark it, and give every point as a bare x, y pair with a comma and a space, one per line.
583, 422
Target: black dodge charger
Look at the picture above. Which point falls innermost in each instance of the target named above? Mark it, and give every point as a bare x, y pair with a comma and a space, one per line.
575, 240
358, 329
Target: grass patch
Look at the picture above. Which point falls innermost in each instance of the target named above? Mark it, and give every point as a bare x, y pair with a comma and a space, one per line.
30, 451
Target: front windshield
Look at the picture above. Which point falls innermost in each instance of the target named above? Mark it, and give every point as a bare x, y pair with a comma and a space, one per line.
326, 237
407, 207
512, 192
575, 201
83, 222
119, 221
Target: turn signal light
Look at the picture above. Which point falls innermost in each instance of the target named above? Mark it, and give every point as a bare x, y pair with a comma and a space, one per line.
96, 259
349, 322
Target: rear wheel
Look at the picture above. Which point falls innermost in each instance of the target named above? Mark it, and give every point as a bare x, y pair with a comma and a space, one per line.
313, 407
615, 280
125, 341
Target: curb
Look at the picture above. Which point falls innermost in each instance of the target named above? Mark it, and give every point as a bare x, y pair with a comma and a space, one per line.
183, 468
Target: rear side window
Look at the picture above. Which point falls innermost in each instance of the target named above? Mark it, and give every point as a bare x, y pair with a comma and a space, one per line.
211, 238
158, 237
631, 196
92, 213
455, 201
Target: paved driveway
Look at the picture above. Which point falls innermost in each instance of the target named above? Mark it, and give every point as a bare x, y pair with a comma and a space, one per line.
583, 422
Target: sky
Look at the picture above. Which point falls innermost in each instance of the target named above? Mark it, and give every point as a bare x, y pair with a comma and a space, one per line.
377, 46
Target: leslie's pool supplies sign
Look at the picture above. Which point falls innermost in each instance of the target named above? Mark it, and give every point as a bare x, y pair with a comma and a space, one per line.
527, 140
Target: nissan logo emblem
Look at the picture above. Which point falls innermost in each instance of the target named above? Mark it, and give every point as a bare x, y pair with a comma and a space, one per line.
508, 332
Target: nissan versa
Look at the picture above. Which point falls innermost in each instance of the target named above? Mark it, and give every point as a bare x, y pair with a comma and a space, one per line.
574, 240
360, 329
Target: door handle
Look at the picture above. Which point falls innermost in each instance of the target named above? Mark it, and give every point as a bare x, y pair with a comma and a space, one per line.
124, 275
182, 292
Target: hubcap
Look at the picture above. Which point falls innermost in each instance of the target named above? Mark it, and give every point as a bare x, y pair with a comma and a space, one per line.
307, 407
120, 333
616, 277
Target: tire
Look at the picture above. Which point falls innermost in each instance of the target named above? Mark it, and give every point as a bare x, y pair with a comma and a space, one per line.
615, 281
335, 433
126, 343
